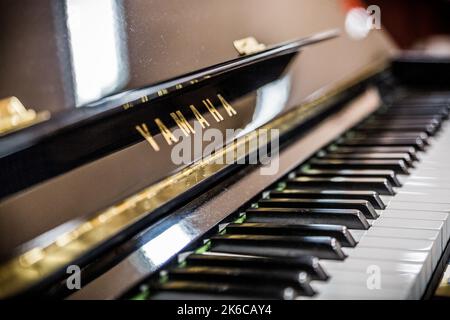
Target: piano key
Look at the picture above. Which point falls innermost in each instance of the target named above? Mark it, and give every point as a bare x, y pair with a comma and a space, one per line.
388, 134
405, 244
422, 215
390, 254
421, 184
350, 291
391, 115
425, 183
417, 270
413, 224
418, 206
399, 166
307, 264
414, 194
276, 246
410, 255
416, 111
362, 205
340, 233
219, 290
345, 150
417, 143
368, 156
404, 285
432, 118
371, 196
407, 233
423, 99
410, 123
430, 129
250, 277
353, 219
380, 185
385, 174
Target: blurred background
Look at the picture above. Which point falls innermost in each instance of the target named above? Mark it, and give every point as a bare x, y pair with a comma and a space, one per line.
415, 24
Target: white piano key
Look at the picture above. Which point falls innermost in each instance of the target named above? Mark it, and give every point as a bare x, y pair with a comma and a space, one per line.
383, 254
422, 215
363, 288
419, 194
430, 172
405, 223
405, 233
397, 255
423, 198
386, 221
419, 206
425, 184
384, 267
405, 244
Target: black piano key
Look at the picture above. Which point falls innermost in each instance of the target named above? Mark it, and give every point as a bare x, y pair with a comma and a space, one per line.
430, 129
307, 264
371, 196
370, 156
418, 108
300, 281
340, 233
361, 133
386, 134
424, 99
385, 174
345, 150
391, 121
362, 205
368, 142
183, 289
416, 111
380, 185
352, 219
398, 166
278, 246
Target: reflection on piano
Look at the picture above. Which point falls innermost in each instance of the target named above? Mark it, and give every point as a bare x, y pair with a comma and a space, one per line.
93, 205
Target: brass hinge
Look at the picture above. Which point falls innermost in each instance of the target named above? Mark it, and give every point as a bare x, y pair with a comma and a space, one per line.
248, 45
14, 115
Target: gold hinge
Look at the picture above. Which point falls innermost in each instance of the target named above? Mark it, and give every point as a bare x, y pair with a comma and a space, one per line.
248, 45
14, 115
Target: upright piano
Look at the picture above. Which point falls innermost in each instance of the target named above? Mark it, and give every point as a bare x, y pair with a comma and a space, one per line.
218, 150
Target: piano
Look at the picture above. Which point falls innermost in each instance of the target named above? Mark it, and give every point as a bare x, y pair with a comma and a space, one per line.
219, 150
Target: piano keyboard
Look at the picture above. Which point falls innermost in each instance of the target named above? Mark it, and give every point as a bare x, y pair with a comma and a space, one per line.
365, 218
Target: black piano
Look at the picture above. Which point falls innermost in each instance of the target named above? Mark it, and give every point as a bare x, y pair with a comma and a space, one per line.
244, 150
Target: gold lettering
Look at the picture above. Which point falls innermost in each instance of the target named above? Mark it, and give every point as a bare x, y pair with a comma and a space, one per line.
199, 117
230, 110
167, 134
162, 92
143, 130
212, 110
182, 123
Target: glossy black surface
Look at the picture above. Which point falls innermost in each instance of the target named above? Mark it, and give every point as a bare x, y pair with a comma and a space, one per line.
66, 141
